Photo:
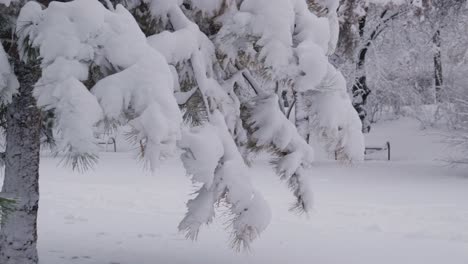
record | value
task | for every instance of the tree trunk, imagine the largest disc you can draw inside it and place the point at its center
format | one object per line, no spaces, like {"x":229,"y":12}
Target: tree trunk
{"x":347,"y":40}
{"x":18,"y":233}
{"x":360,"y":89}
{"x":438,"y":77}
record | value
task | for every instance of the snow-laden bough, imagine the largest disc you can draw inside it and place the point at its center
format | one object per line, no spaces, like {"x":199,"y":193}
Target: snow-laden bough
{"x":137,"y":86}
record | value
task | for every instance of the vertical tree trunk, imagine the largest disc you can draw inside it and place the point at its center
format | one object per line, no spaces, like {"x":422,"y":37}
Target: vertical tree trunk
{"x":18,"y":233}
{"x":360,"y":89}
{"x":438,"y":77}
{"x":347,"y":38}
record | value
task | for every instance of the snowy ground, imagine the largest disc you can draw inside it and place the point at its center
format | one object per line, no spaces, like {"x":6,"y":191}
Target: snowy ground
{"x":412,"y":210}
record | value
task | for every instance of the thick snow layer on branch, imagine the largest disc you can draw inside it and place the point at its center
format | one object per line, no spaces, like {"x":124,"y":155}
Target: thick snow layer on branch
{"x":8,"y":82}
{"x":272,"y":127}
{"x":186,"y":40}
{"x":175,"y":46}
{"x":188,"y":43}
{"x":77,"y":111}
{"x":139,"y":86}
{"x":313,"y":36}
{"x":275,"y":34}
{"x":334,"y":119}
{"x":269,"y":128}
{"x":199,"y":144}
{"x":332,"y":6}
{"x":57,"y":33}
{"x":283,"y":35}
{"x":218,"y":165}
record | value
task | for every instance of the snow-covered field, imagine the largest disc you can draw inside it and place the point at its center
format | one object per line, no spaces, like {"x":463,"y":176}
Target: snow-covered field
{"x":412,"y":210}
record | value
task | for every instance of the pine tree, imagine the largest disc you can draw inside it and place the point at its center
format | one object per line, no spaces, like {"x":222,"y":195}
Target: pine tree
{"x":88,"y":65}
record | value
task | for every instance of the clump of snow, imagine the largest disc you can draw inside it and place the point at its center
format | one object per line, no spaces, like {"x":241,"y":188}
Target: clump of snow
{"x":277,"y":33}
{"x":195,"y":142}
{"x":313,"y":35}
{"x":175,"y":46}
{"x":252,"y":26}
{"x":334,"y":120}
{"x":215,"y":162}
{"x":270,"y":127}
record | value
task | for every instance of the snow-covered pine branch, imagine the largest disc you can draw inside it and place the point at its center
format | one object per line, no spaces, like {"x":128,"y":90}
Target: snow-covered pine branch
{"x":137,"y":86}
{"x":334,"y":120}
{"x":234,"y":42}
{"x":295,"y":48}
{"x":211,"y":155}
{"x":269,"y":128}
{"x":199,"y":57}
{"x":213,"y":159}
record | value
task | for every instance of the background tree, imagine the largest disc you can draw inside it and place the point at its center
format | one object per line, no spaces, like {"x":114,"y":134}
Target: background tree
{"x":398,"y":64}
{"x":438,"y":15}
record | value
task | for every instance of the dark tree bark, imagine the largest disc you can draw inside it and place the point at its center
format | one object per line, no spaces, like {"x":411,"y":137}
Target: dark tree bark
{"x":438,"y":73}
{"x":302,"y":116}
{"x":360,"y":89}
{"x":18,"y":233}
{"x":347,"y":40}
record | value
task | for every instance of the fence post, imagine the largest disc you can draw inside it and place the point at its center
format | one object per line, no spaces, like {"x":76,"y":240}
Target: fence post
{"x":388,"y":149}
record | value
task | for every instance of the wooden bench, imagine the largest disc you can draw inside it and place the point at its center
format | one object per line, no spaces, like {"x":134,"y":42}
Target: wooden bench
{"x":105,"y":139}
{"x":373,"y":149}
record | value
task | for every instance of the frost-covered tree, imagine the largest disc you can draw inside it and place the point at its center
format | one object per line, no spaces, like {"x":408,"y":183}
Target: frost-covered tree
{"x":399,"y":69}
{"x":222,"y":63}
{"x":363,"y":23}
{"x":438,"y":15}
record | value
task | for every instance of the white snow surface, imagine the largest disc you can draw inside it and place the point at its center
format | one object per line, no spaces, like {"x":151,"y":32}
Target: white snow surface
{"x":411,"y":210}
